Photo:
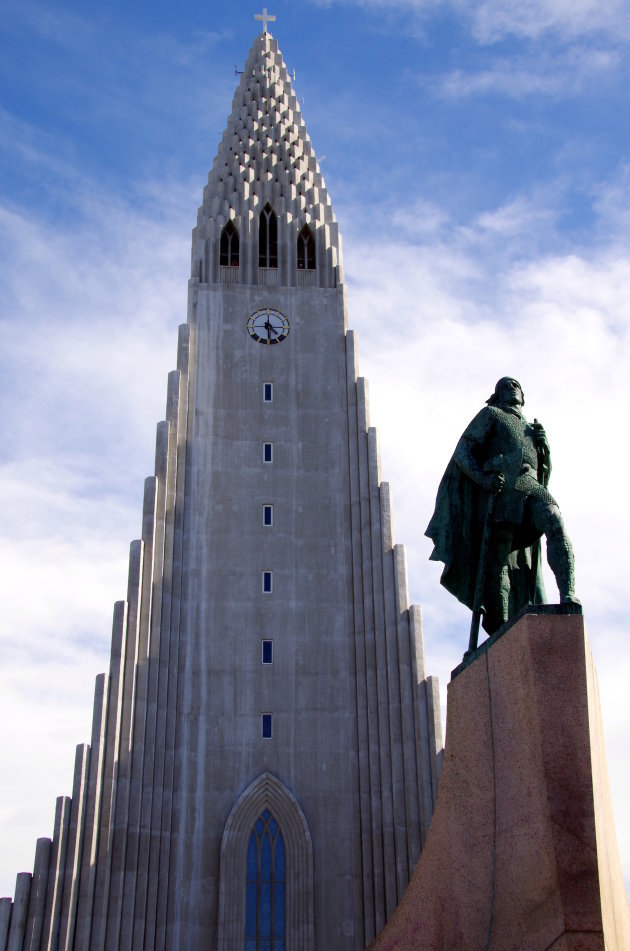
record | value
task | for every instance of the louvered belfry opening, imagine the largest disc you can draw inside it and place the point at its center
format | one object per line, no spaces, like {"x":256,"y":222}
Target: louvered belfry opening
{"x":268,"y":238}
{"x":306,"y":250}
{"x":229,"y":246}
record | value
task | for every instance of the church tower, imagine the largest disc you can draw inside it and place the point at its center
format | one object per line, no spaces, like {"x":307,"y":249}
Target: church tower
{"x":265,"y":750}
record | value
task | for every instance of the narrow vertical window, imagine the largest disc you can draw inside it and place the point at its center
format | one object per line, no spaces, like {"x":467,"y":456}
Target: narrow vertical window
{"x":267,"y":582}
{"x":267,"y":452}
{"x":267,"y":652}
{"x":306,"y":249}
{"x":229,"y":246}
{"x":267,"y":515}
{"x":267,"y":392}
{"x":266,"y":726}
{"x":268,"y":238}
{"x":264,"y":916}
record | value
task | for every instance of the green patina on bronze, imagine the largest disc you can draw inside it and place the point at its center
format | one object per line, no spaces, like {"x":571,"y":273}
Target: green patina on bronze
{"x":492,"y":509}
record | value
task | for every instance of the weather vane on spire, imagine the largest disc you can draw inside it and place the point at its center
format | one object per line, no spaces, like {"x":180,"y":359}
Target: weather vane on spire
{"x":265,"y":17}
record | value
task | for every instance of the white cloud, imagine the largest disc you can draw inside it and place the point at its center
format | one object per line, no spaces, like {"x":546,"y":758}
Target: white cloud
{"x":421,"y":219}
{"x":89,"y":333}
{"x":550,"y":73}
{"x":612,"y":202}
{"x":494,"y":19}
{"x":459,"y":313}
{"x":559,"y":340}
{"x":519,"y":217}
{"x":52,"y":25}
{"x":109,"y":82}
{"x":443,"y":308}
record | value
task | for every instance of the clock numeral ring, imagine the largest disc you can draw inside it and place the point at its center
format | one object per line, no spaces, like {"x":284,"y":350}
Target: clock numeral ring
{"x":268,"y":326}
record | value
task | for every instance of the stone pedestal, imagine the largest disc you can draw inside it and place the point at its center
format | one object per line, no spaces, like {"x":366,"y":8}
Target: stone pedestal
{"x":522,"y":852}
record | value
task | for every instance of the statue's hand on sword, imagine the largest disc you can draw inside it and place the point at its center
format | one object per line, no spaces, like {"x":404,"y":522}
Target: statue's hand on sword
{"x":540,"y":437}
{"x":494,"y":482}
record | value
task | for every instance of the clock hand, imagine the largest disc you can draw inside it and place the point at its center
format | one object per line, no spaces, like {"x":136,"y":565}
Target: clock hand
{"x":270,"y":329}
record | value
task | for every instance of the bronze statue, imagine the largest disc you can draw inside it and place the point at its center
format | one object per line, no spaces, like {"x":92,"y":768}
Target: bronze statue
{"x":492,"y":508}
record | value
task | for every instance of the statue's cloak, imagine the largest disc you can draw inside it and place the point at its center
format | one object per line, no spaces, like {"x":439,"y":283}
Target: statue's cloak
{"x":456,"y":530}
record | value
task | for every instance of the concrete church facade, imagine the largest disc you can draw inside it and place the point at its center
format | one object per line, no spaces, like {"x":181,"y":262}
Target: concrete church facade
{"x":265,"y":751}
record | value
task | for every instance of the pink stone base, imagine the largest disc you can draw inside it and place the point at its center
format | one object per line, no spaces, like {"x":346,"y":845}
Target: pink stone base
{"x":522,"y":852}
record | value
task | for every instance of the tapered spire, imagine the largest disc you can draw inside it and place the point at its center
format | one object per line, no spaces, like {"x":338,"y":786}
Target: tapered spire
{"x":266,"y":157}
{"x":265,"y":153}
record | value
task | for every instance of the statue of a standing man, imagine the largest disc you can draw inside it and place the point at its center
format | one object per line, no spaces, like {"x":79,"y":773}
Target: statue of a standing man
{"x":497,"y":482}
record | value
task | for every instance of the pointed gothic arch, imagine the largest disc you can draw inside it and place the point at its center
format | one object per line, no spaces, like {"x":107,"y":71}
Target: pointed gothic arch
{"x":266,"y":795}
{"x":229,"y":249}
{"x":268,"y":238}
{"x":306,"y":250}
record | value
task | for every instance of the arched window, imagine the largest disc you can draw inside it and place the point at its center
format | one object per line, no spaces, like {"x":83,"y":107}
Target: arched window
{"x":229,"y":246}
{"x":265,"y":902}
{"x":268,"y":238}
{"x":266,"y":872}
{"x":306,"y":250}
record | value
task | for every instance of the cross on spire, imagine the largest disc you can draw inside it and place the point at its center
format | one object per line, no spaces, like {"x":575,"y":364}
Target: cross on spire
{"x":265,"y":17}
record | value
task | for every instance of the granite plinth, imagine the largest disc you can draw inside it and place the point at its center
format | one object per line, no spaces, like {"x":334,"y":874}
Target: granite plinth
{"x":522,"y":852}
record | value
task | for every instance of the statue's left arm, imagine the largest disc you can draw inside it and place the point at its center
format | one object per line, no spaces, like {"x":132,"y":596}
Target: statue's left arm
{"x":543,"y":451}
{"x":471,"y":453}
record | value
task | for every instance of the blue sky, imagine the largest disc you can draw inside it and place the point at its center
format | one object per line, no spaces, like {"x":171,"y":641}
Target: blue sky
{"x":477,"y":160}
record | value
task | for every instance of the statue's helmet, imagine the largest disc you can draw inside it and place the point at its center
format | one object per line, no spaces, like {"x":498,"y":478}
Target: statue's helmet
{"x":502,"y":385}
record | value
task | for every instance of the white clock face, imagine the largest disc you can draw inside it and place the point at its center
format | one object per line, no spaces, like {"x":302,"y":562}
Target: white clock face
{"x":268,"y":326}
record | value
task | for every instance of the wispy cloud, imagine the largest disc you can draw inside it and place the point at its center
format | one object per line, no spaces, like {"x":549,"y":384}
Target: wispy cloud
{"x":451,"y":285}
{"x":612,"y":201}
{"x":518,"y":217}
{"x":462,"y":311}
{"x":88,"y":79}
{"x":562,"y":326}
{"x":493,"y":20}
{"x":53,"y":25}
{"x":89,"y":324}
{"x":553,"y":74}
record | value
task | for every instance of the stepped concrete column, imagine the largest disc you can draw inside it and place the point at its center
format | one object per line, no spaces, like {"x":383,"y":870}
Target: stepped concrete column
{"x":37,"y":899}
{"x":6,"y":905}
{"x":20,"y":910}
{"x":522,"y":850}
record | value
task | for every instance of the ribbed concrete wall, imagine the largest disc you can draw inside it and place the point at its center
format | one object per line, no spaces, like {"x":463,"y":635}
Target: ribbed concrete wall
{"x":105,"y":878}
{"x":138,"y":852}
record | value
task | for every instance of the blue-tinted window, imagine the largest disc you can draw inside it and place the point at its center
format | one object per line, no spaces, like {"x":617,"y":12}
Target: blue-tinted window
{"x":267,"y":452}
{"x":266,"y":726}
{"x":265,"y":912}
{"x":268,"y":515}
{"x":267,"y":584}
{"x":267,"y":392}
{"x":267,"y":652}
{"x":252,"y":861}
{"x":279,"y":857}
